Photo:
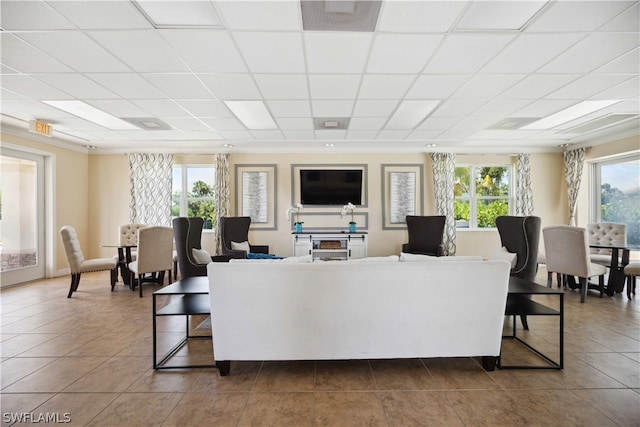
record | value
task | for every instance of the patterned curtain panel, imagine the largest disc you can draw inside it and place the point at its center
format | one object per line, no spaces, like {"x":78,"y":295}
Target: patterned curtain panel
{"x":524,"y":192}
{"x":222,"y":192}
{"x":443,"y":180}
{"x":150,"y":178}
{"x":573,"y":162}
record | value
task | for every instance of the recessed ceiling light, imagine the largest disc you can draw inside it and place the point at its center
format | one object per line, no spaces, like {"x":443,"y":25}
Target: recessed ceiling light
{"x":563,"y":145}
{"x":88,"y":112}
{"x":328,"y":144}
{"x":179,"y":14}
{"x":410,"y":113}
{"x":91,"y":147}
{"x":431,"y":145}
{"x":578,"y":110}
{"x":227,"y":145}
{"x":253,"y":114}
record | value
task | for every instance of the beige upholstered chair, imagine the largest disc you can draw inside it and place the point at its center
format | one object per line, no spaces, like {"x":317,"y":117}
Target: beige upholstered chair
{"x":129,"y":236}
{"x":631,"y":271}
{"x":567,"y":252}
{"x":155,"y":255}
{"x":79,"y":265}
{"x":605,"y":233}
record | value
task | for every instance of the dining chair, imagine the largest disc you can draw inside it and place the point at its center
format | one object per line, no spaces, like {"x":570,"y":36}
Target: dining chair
{"x":155,"y":255}
{"x":631,"y":271}
{"x":605,"y":233}
{"x":234,"y":237}
{"x":425,"y":235}
{"x":78,"y":264}
{"x":567,"y":252}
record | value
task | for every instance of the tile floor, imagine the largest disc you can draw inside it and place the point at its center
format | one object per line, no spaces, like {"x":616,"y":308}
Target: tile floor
{"x":88,"y":361}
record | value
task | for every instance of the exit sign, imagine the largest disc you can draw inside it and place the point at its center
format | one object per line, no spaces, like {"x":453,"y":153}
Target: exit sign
{"x":42,"y":128}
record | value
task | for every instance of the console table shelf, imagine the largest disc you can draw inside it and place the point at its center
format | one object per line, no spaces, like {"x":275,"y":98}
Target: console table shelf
{"x":330,"y":245}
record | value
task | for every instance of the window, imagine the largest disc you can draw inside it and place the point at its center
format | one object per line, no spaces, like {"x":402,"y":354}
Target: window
{"x":615,"y":190}
{"x":193,"y":193}
{"x":482,"y":194}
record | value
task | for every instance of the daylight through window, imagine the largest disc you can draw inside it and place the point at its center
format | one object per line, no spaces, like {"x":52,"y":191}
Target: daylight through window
{"x":193,"y":193}
{"x":482,"y":193}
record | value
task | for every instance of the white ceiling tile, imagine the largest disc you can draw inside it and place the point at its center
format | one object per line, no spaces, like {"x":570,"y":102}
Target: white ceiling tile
{"x":119,"y":107}
{"x":498,"y":15}
{"x":101,"y":14}
{"x":7,"y":94}
{"x":127,"y":45}
{"x":337,"y":52}
{"x":261,"y":15}
{"x":137,"y":135}
{"x":236,"y":134}
{"x":299,"y":134}
{"x":283,"y":86}
{"x":271,"y":52}
{"x":77,"y":86}
{"x":331,"y":135}
{"x":592,"y":52}
{"x":25,"y":58}
{"x":231,"y":86}
{"x":367,"y":123}
{"x":374,"y":108}
{"x":267,"y":134}
{"x":537,"y":86}
{"x":436,"y":86}
{"x":206,"y":51}
{"x":295,"y":123}
{"x":179,"y":86}
{"x":76,"y":123}
{"x":629,"y":20}
{"x":333,"y":86}
{"x":168,"y":135}
{"x":628,"y":63}
{"x":393,"y":134}
{"x":487,"y":85}
{"x":31,"y":88}
{"x":401,"y":53}
{"x":543,"y":108}
{"x":437,"y":123}
{"x":224,"y":123}
{"x":529,"y":52}
{"x":587,"y":86}
{"x":627,"y":90}
{"x":85,"y":56}
{"x":423,"y":135}
{"x":332,"y":108}
{"x":500,"y":108}
{"x":28,"y":109}
{"x":466,"y":53}
{"x":361,"y":134}
{"x":202,"y":135}
{"x":206,"y":108}
{"x":105,"y":135}
{"x":418,"y":17}
{"x":128,"y":85}
{"x":31,"y":15}
{"x":504,"y":134}
{"x":380,"y":86}
{"x":458,"y":107}
{"x":185,"y":123}
{"x":161,"y":107}
{"x":577,"y":15}
{"x":290,"y":108}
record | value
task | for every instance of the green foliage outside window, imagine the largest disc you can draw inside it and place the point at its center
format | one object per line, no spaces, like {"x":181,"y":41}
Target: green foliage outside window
{"x":489,"y":195}
{"x":618,"y":206}
{"x":197,"y":208}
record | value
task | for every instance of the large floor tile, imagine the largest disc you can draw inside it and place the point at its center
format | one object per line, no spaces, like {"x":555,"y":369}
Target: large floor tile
{"x":218,"y":409}
{"x":349,"y":409}
{"x":344,"y":375}
{"x":419,"y":408}
{"x":137,"y":409}
{"x":279,"y":409}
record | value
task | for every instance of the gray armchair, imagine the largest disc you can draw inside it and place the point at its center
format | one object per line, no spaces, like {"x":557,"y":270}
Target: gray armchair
{"x":236,"y":230}
{"x":187,"y":234}
{"x":425,"y":235}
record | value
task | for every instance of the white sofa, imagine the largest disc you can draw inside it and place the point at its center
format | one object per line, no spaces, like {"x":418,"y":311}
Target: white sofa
{"x":357,"y":310}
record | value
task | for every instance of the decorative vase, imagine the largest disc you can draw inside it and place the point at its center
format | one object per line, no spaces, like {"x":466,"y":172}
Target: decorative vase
{"x":298,"y":227}
{"x":352,"y":227}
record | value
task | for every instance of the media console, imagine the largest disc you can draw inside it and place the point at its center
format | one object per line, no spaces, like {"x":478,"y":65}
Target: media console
{"x":330,"y":245}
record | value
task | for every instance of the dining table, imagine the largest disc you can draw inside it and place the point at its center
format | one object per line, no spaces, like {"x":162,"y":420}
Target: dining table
{"x":616,"y":280}
{"x":124,"y":258}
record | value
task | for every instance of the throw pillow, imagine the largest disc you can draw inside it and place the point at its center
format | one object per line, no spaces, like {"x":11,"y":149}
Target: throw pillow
{"x":240,"y":246}
{"x":504,"y":254}
{"x":201,"y":256}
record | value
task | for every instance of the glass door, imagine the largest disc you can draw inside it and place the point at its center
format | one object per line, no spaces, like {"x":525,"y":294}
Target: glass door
{"x":21,"y":216}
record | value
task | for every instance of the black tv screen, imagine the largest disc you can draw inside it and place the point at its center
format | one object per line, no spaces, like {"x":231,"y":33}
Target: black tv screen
{"x":330,"y":186}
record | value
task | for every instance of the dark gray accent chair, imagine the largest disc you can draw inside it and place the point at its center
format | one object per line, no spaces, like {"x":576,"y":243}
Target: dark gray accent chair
{"x":187,"y":234}
{"x":236,"y":229}
{"x":521,"y":235}
{"x":425,"y":235}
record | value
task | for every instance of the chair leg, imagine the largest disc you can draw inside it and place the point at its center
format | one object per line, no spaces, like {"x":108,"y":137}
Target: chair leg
{"x":140,"y":284}
{"x":549,"y":279}
{"x":584,"y":286}
{"x":561,"y":281}
{"x":525,"y":324}
{"x":631,"y":285}
{"x":114,"y":278}
{"x":75,"y":280}
{"x":601,"y":285}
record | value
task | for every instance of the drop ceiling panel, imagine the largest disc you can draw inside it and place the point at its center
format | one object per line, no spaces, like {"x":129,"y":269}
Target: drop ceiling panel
{"x":401,"y":53}
{"x":224,"y":123}
{"x":419,"y":17}
{"x":25,"y":58}
{"x":31,"y":88}
{"x":159,"y":56}
{"x":202,"y":135}
{"x":487,"y":85}
{"x":290,"y":108}
{"x":331,"y":135}
{"x":626,"y":64}
{"x":578,"y":16}
{"x":361,"y":134}
{"x":185,"y":123}
{"x":236,"y":134}
{"x":119,"y":107}
{"x":437,"y":123}
{"x":465,"y":53}
{"x":423,"y":135}
{"x":295,"y":123}
{"x":331,"y":108}
{"x":333,"y":86}
{"x":529,"y":52}
{"x":161,"y":107}
{"x":436,"y":86}
{"x":587,"y":86}
{"x":499,"y":108}
{"x":206,"y":108}
{"x":101,"y":14}
{"x":179,"y":86}
{"x":128,"y":85}
{"x":384,"y":86}
{"x":77,"y":86}
{"x":28,"y":109}
{"x":329,"y":52}
{"x":543,"y":108}
{"x":206,"y":51}
{"x":283,"y":86}
{"x":629,"y":20}
{"x":374,"y":108}
{"x":31,"y":15}
{"x":299,"y":134}
{"x":267,"y":134}
{"x":392,"y":134}
{"x":458,"y":107}
{"x":261,"y":15}
{"x":627,"y":90}
{"x":537,"y":86}
{"x":367,"y":123}
{"x":267,"y":52}
{"x":498,"y":15}
{"x":230,"y":86}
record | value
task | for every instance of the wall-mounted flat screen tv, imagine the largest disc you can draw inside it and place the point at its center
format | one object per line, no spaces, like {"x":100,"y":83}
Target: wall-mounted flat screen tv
{"x":330,"y":186}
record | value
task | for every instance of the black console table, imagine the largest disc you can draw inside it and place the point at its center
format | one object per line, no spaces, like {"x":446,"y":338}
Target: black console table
{"x":519,"y":303}
{"x":191,"y":298}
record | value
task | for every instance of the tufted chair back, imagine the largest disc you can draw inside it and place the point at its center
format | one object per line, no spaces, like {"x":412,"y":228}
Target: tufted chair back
{"x":606,"y":233}
{"x":129,"y":234}
{"x":72,"y":249}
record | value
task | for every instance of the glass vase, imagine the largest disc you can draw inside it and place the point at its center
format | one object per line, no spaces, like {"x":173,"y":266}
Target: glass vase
{"x":352,"y":227}
{"x":298,"y":227}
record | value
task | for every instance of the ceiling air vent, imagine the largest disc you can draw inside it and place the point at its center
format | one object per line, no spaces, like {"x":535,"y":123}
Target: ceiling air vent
{"x":339,"y":15}
{"x":148,"y":123}
{"x":330,"y":123}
